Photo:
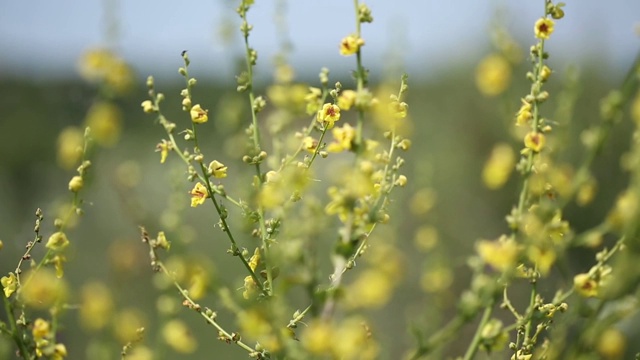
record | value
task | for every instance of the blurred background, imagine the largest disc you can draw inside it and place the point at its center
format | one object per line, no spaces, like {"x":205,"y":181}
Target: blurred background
{"x":456,"y":123}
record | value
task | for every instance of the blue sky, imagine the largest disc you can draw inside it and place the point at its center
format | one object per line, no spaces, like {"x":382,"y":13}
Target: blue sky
{"x":44,"y":38}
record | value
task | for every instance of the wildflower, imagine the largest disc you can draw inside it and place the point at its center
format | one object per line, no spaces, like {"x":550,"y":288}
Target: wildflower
{"x":147,"y":106}
{"x":519,"y":355}
{"x":501,"y":254}
{"x":70,"y":144}
{"x":313,"y":99}
{"x":41,"y":329}
{"x":128,"y":324}
{"x":43,"y":289}
{"x":105,"y":121}
{"x":493,"y":75}
{"x":97,"y":306}
{"x":350,"y":45}
{"x":9,"y":284}
{"x":612,"y":344}
{"x":198,"y":114}
{"x":524,"y":114}
{"x":318,"y":337}
{"x":249,"y":283}
{"x":164,"y":148}
{"x":58,"y":262}
{"x":544,"y":258}
{"x":344,"y":137}
{"x":585,"y":285}
{"x":75,"y":184}
{"x":545,"y":73}
{"x":199,"y":194}
{"x":59,"y":352}
{"x":178,"y":336}
{"x":498,"y":167}
{"x":329,"y":114}
{"x":401,"y":181}
{"x":543,"y":28}
{"x":436,"y":280}
{"x":398,"y":109}
{"x":534,"y":141}
{"x":346,"y":99}
{"x":217,"y":169}
{"x":372,"y":289}
{"x":57,"y":241}
{"x":310,"y":144}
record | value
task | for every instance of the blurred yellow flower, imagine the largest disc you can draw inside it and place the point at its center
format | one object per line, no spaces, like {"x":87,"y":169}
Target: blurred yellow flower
{"x":43,"y":290}
{"x":97,"y":306}
{"x":585,"y":285}
{"x":164,"y":147}
{"x":343,"y":138}
{"x":105,"y":121}
{"x":346,"y":99}
{"x":499,"y":166}
{"x":500,"y":254}
{"x":178,"y":336}
{"x":534,"y":141}
{"x":103,"y":66}
{"x":493,"y":75}
{"x":70,"y":144}
{"x":350,"y":45}
{"x":57,"y":241}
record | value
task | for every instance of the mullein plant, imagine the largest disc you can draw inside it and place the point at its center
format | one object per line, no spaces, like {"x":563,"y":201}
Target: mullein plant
{"x":539,"y":236}
{"x":37,"y":285}
{"x":286,"y":215}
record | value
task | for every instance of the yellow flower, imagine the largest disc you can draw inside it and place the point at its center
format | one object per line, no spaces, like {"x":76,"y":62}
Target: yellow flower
{"x":343,"y":138}
{"x":534,"y":141}
{"x":70,"y":144}
{"x":524,"y":114}
{"x":543,"y":28}
{"x":76,"y":184}
{"x":9,"y":284}
{"x":164,"y":148}
{"x":147,"y":106}
{"x":313,"y":100}
{"x":43,"y":289}
{"x":41,"y":329}
{"x":372,"y":289}
{"x":317,"y":337}
{"x":612,"y":344}
{"x":57,"y":241}
{"x":178,"y":336}
{"x":329,"y":114}
{"x":497,"y":169}
{"x":58,"y":263}
{"x":97,"y":306}
{"x":493,"y":75}
{"x":199,"y":194}
{"x":350,"y":45}
{"x":346,"y":99}
{"x":585,"y":285}
{"x":501,"y":254}
{"x":398,"y":109}
{"x":309,"y":144}
{"x":217,"y":169}
{"x":545,"y":73}
{"x":105,"y":121}
{"x":59,"y":352}
{"x":198,"y":114}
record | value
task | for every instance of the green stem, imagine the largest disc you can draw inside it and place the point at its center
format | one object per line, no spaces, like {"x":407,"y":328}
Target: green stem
{"x":15,"y":331}
{"x":475,"y":342}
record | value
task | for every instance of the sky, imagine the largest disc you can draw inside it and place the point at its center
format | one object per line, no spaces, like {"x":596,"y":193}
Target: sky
{"x":43,"y":39}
